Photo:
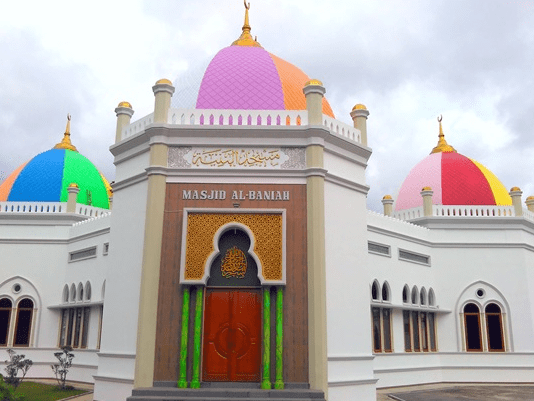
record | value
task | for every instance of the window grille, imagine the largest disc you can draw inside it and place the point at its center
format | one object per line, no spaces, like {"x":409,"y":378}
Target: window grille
{"x":414,"y":257}
{"x":377,"y":248}
{"x":83,"y":254}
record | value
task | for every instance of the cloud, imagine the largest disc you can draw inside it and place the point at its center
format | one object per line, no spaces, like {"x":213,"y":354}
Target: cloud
{"x":407,"y":61}
{"x":36,"y":93}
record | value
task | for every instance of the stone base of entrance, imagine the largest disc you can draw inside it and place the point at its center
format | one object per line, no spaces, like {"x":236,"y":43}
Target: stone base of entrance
{"x":218,"y":391}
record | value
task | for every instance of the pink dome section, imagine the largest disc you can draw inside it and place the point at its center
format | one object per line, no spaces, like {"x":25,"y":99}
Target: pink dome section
{"x":257,"y":86}
{"x":427,"y":173}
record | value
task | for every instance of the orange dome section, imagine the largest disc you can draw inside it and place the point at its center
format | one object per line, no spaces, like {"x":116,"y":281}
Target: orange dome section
{"x":293,"y":80}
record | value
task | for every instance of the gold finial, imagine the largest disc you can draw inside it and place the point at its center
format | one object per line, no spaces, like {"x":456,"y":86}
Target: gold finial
{"x":125,"y":104}
{"x":442,"y":145}
{"x":313,"y":82}
{"x":386,"y":197}
{"x":65,"y":142}
{"x":359,"y":106}
{"x":246,"y":38}
{"x":164,"y":81}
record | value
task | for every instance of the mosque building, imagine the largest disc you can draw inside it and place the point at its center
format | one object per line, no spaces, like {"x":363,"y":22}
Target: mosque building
{"x":234,"y":256}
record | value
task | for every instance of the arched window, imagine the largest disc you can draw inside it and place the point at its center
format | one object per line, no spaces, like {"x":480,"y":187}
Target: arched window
{"x":405,"y":292}
{"x":374,"y":291}
{"x":66,"y":293}
{"x":415,"y":295}
{"x":385,"y":291}
{"x":80,"y":292}
{"x":431,"y":297}
{"x":5,"y":316}
{"x":494,"y":328}
{"x":72,"y":293}
{"x":473,"y":334}
{"x":422,"y":296}
{"x":24,"y":323}
{"x":88,"y":291}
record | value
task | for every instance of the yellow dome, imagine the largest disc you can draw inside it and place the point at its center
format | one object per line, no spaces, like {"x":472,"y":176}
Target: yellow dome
{"x":426,"y":189}
{"x":359,"y":106}
{"x":74,"y":185}
{"x":387,"y":197}
{"x":515,"y":189}
{"x":125,"y":104}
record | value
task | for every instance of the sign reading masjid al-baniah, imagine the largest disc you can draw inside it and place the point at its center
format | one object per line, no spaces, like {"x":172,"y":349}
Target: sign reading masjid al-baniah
{"x":220,"y":194}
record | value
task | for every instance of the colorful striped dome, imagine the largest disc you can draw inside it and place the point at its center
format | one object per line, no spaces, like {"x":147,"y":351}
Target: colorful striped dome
{"x":244,"y":76}
{"x":45,"y":178}
{"x":455,"y":180}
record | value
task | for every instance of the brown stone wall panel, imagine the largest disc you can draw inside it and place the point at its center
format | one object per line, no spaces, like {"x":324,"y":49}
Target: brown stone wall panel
{"x":295,"y":292}
{"x":170,"y":296}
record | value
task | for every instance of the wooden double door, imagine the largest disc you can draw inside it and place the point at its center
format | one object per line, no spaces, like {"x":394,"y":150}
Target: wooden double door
{"x":232,"y":335}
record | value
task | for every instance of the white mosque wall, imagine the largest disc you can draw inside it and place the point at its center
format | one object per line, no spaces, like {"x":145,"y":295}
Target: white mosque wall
{"x":350,"y":372}
{"x":35,"y":254}
{"x":131,"y":163}
{"x":463,"y":258}
{"x":39,"y":269}
{"x":342,"y":167}
{"x":114,"y":378}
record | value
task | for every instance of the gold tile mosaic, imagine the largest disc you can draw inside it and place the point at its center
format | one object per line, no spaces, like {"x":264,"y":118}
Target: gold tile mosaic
{"x":267,"y":230}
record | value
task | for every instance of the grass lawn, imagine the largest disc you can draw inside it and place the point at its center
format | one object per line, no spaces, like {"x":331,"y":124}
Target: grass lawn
{"x":44,"y":392}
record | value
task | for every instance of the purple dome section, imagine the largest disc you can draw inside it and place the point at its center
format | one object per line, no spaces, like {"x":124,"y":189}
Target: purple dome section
{"x":241,"y":77}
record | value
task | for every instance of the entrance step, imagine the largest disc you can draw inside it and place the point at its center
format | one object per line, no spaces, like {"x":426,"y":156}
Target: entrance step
{"x":223,"y":394}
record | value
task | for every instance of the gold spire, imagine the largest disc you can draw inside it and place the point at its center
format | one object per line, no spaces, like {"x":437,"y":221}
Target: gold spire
{"x":246,"y":38}
{"x":65,"y":142}
{"x":442,"y":145}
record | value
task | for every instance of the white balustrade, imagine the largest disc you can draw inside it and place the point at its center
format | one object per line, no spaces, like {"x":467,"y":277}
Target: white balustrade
{"x":237,"y":117}
{"x":49,"y":207}
{"x":33,"y":207}
{"x":462,"y":211}
{"x":89,"y":211}
{"x":527,"y":214}
{"x":137,"y":126}
{"x":472,"y":211}
{"x":215,"y":117}
{"x":409,"y":214}
{"x":339,"y":128}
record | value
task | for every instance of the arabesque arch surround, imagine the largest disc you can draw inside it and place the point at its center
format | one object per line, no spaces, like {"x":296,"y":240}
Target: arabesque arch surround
{"x":203,"y":228}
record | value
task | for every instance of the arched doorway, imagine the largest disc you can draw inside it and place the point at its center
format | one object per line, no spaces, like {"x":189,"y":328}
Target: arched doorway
{"x":232,"y":313}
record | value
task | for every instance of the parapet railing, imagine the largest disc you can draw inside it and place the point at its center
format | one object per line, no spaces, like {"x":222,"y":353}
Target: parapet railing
{"x":49,"y":208}
{"x":137,"y":126}
{"x":237,"y":117}
{"x":409,"y":214}
{"x":33,"y":207}
{"x":337,"y":127}
{"x":473,"y":211}
{"x":89,"y":211}
{"x":215,"y":117}
{"x":462,"y":211}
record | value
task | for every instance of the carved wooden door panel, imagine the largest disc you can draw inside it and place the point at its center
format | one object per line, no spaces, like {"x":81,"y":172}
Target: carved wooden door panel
{"x":232,"y":335}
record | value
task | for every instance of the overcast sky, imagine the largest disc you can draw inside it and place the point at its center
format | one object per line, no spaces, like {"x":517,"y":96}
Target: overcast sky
{"x":408,"y":62}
